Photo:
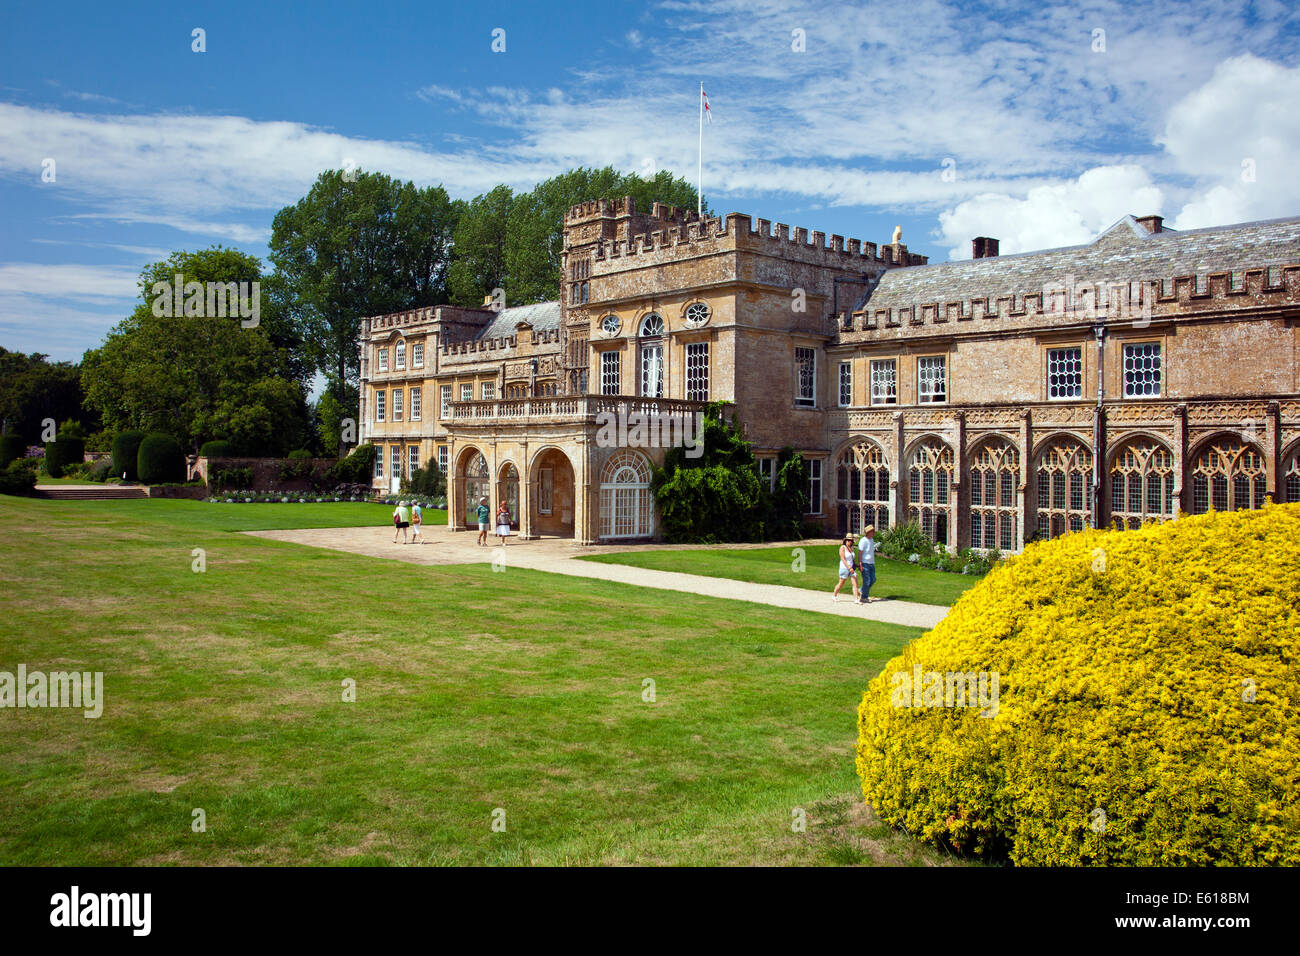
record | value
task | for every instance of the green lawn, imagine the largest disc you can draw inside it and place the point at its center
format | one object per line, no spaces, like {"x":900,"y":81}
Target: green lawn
{"x":274,"y":516}
{"x":475,"y":690}
{"x":894,"y":579}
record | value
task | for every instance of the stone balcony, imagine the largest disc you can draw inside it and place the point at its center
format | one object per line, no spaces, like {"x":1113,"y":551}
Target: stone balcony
{"x":563,"y":409}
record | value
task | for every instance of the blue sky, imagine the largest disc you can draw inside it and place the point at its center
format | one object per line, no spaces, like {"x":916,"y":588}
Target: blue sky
{"x":1018,"y":121}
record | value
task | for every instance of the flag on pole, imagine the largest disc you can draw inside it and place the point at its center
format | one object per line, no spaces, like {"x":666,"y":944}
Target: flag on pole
{"x":708,"y":114}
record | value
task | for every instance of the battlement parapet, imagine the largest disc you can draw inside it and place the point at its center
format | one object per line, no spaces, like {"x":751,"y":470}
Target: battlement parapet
{"x":739,"y":231}
{"x":1100,"y":300}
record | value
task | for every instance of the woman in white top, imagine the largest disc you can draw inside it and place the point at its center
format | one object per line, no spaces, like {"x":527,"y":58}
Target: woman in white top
{"x":848,"y":559}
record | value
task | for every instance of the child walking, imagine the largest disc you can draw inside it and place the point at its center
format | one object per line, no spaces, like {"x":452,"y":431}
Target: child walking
{"x":503,"y":523}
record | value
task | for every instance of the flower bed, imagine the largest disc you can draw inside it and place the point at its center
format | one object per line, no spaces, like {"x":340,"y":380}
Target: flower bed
{"x":341,"y":493}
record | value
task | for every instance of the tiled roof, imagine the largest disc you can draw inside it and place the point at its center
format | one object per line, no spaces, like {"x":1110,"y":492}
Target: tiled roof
{"x":544,"y":316}
{"x":1124,"y":252}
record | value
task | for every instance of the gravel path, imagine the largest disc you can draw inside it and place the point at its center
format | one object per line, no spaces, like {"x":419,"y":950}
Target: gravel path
{"x":559,"y":556}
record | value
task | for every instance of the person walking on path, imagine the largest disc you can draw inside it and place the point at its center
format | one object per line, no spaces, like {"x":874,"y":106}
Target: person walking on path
{"x":417,"y":522}
{"x":503,"y":523}
{"x":401,"y":521}
{"x":867,"y":561}
{"x":847,"y":563}
{"x":484,"y":514}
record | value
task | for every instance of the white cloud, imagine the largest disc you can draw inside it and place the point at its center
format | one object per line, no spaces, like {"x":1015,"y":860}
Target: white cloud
{"x":90,"y":284}
{"x":1238,"y":135}
{"x":1060,"y":214}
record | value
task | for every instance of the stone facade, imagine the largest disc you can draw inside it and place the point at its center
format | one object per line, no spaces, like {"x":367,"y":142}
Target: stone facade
{"x":991,"y":400}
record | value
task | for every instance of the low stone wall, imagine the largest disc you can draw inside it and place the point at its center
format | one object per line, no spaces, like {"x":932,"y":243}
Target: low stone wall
{"x":161,"y":491}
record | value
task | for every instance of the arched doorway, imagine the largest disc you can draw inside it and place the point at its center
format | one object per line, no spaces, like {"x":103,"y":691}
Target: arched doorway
{"x":552,"y":501}
{"x":508,"y":492}
{"x":478,"y":484}
{"x":626,"y":505}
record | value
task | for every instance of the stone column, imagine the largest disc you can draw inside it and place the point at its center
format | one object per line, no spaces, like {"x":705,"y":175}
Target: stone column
{"x":525,"y":495}
{"x":959,"y":527}
{"x":1272,"y":450}
{"x":1026,"y":510}
{"x":1181,"y":502}
{"x":586,"y":496}
{"x":897,"y":484}
{"x":455,"y":492}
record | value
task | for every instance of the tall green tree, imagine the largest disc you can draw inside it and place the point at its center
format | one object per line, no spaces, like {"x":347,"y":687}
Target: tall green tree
{"x":33,"y":389}
{"x":515,"y":241}
{"x":199,"y":377}
{"x":359,"y":245}
{"x":479,"y":263}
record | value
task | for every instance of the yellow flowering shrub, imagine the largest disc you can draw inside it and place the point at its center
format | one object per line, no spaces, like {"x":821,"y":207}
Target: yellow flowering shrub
{"x":1140,"y":702}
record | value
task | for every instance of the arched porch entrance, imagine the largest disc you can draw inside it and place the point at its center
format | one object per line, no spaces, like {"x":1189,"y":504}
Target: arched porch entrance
{"x":508,"y":492}
{"x":551,"y":494}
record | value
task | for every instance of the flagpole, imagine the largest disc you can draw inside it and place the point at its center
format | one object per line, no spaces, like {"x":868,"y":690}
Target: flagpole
{"x":699,"y":174}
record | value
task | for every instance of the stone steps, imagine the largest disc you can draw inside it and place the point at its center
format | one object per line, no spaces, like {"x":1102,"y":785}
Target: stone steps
{"x":89,"y":493}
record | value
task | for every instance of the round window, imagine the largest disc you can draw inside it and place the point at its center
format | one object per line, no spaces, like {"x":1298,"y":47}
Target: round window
{"x":697,"y":313}
{"x":609,"y":325}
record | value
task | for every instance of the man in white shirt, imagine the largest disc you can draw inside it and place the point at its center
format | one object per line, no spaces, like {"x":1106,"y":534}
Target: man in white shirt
{"x":867,"y":561}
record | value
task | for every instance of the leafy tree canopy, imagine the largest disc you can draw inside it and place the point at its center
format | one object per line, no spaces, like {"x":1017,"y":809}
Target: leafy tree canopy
{"x":32,"y":389}
{"x":199,"y":377}
{"x":514,"y":241}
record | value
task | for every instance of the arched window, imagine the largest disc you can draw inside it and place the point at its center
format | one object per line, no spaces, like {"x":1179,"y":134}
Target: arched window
{"x":1141,"y":484}
{"x":1228,"y":475}
{"x":477,"y":484}
{"x":1064,"y":502}
{"x":1291,"y":477}
{"x":930,"y":487}
{"x":626,"y":504}
{"x":862,"y":488}
{"x":652,"y":356}
{"x":994,"y":480}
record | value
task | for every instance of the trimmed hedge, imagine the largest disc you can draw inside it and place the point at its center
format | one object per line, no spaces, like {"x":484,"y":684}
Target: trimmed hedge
{"x":126,"y":453}
{"x":67,"y":450}
{"x":1147,"y":710}
{"x":217,"y":448}
{"x":12,"y":447}
{"x":160,"y":460}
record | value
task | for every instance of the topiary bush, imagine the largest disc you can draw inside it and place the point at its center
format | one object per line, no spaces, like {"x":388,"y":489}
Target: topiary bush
{"x":67,"y":451}
{"x":1146,"y":708}
{"x":126,"y":453}
{"x":160,"y":460}
{"x":217,"y":448}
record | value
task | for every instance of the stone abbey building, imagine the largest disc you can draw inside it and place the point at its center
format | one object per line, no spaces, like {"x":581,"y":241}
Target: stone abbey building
{"x":992,"y":400}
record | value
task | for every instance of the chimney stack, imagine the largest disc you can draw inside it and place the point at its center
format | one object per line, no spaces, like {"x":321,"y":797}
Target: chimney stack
{"x":982,"y":247}
{"x":1152,"y":224}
